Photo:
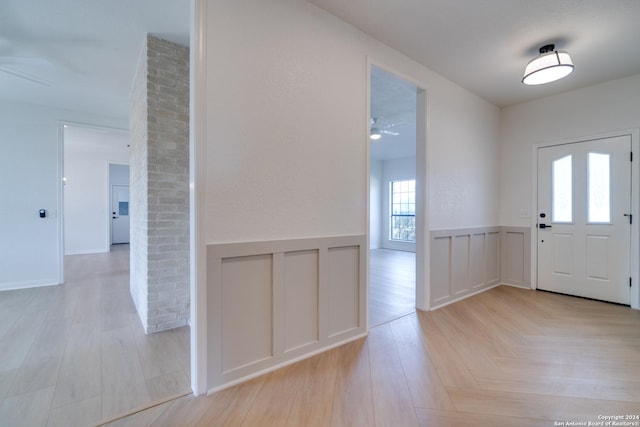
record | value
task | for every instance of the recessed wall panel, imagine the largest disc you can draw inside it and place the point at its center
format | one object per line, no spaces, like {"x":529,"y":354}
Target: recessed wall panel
{"x":514,"y":268}
{"x":301,"y":298}
{"x":344,"y":280}
{"x":440,"y":268}
{"x":460,"y":264}
{"x":246,"y":310}
{"x":476,"y":260}
{"x":563,"y":253}
{"x":598,"y":257}
{"x":492,"y":257}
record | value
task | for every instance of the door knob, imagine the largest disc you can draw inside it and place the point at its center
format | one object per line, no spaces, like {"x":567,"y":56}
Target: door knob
{"x":544,"y":226}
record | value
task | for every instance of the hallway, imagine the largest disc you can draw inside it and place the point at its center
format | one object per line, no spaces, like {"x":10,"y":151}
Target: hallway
{"x":76,"y":354}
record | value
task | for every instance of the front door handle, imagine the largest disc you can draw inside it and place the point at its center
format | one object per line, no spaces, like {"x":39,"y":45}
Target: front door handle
{"x":544,"y":226}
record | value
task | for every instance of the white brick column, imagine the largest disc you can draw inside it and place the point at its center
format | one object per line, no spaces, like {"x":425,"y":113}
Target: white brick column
{"x":160,"y":186}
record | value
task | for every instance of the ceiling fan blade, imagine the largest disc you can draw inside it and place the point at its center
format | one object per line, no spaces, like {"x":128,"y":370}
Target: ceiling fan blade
{"x":389,"y":132}
{"x":21,"y":74}
{"x":393,"y":125}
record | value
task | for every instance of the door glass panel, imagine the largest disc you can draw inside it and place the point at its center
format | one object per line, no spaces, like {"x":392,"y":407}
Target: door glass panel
{"x":123,"y":208}
{"x":599,"y":190}
{"x":562,"y":203}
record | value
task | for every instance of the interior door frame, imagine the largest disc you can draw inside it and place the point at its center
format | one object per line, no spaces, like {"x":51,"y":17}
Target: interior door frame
{"x":112,"y":208}
{"x":109,"y":202}
{"x":634,"y":134}
{"x":60,"y":198}
{"x":62,"y":124}
{"x":422,"y":294}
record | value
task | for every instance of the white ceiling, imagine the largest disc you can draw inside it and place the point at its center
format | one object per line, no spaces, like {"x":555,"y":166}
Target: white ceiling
{"x":484,"y":45}
{"x":393,"y":104}
{"x":81,"y":55}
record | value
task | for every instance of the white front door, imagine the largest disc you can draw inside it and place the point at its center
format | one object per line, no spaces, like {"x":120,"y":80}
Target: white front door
{"x":119,"y":214}
{"x":584,"y":231}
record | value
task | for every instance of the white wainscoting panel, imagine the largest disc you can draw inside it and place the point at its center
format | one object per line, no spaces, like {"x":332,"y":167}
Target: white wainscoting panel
{"x":463,"y":262}
{"x":516,"y":256}
{"x":460,"y":256}
{"x":272,"y":303}
{"x":344,"y":289}
{"x":477,"y":264}
{"x":301,"y":293}
{"x":440,"y":268}
{"x":247,"y":332}
{"x":493,"y":267}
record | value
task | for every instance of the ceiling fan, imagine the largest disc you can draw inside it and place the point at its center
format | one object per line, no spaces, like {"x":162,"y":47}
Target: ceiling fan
{"x":377,"y":131}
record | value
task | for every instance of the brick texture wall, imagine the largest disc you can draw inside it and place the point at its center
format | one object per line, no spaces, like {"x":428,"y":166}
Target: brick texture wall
{"x":138,"y":190}
{"x":160,"y":186}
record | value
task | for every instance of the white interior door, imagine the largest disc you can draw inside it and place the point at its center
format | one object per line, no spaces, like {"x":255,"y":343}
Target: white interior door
{"x":584,"y":231}
{"x":119,"y":214}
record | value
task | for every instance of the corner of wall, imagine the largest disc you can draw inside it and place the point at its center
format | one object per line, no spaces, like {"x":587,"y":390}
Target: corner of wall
{"x":465,"y":262}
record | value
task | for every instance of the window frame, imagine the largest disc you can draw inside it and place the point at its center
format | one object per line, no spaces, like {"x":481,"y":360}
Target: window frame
{"x":410,"y":205}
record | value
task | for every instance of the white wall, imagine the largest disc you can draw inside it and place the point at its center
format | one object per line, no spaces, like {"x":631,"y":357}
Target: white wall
{"x":87,"y":153}
{"x":287,"y":128}
{"x":607,"y":107}
{"x":394,"y":170}
{"x":118,"y":174}
{"x":375,"y":204}
{"x":604,"y":108}
{"x":30,"y":172}
{"x":285,"y":134}
{"x":463,"y":168}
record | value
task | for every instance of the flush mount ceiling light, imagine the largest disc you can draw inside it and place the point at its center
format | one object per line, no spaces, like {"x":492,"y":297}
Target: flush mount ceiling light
{"x":550,"y":66}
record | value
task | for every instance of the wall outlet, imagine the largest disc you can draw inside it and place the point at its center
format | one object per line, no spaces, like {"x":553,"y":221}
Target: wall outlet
{"x":524,"y":213}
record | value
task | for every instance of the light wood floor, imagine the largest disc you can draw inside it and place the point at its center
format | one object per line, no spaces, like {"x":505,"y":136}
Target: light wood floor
{"x":392,"y":285}
{"x":76,"y":354}
{"x":506,"y":357}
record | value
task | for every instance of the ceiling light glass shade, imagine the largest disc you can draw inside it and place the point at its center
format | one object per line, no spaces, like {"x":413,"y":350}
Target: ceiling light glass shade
{"x":548,"y":67}
{"x":375,"y":134}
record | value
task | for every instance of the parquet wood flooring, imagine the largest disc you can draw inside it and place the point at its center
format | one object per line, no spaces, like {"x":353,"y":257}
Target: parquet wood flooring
{"x":505,"y":357}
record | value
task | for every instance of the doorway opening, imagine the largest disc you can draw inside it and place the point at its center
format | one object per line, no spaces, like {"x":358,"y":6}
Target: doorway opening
{"x":393,"y":207}
{"x":95,"y":158}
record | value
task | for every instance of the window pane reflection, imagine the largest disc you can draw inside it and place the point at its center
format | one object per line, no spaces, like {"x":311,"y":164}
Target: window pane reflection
{"x":562,"y":208}
{"x":599,"y":191}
